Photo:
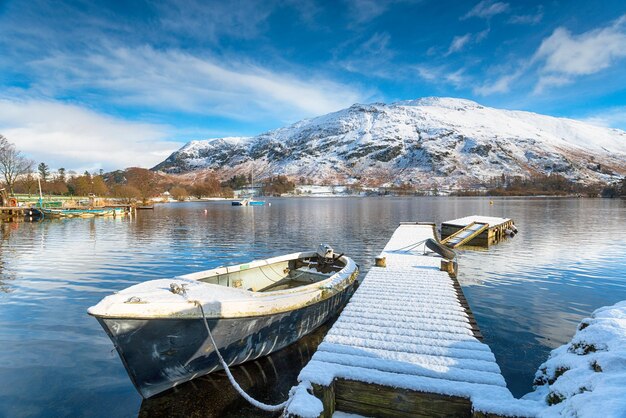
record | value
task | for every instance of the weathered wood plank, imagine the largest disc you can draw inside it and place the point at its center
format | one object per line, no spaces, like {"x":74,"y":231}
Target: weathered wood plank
{"x":375,"y":400}
{"x":327,"y":395}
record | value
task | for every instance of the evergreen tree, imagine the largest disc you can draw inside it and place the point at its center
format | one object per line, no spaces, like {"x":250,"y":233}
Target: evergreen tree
{"x":44,"y":171}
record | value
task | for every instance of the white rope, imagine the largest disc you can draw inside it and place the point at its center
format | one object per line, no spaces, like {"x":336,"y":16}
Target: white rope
{"x":251,"y":400}
{"x":410,"y":247}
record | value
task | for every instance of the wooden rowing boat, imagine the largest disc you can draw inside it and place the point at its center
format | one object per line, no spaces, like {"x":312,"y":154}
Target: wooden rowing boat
{"x":252,"y":310}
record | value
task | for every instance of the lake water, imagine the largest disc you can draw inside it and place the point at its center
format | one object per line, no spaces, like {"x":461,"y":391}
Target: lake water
{"x":527,"y":293}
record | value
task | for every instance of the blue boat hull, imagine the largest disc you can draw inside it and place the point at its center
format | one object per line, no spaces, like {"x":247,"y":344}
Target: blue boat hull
{"x":161,"y":353}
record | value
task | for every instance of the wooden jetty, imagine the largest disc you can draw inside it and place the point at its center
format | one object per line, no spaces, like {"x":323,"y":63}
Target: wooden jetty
{"x":480,"y":231}
{"x":406,"y":345}
{"x":18,"y":213}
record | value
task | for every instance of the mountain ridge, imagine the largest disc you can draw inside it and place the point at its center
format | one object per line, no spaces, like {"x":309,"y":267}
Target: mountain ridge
{"x":431,"y":141}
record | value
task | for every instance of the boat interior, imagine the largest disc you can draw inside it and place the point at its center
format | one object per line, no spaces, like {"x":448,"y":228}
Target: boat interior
{"x":267,"y":276}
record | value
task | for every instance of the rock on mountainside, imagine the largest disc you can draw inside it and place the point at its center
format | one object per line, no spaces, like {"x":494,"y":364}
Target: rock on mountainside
{"x":428,"y":142}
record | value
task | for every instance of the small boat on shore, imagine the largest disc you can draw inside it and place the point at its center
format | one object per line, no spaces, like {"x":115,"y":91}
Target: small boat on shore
{"x":159,"y":327}
{"x":76,"y":213}
{"x":248,"y":202}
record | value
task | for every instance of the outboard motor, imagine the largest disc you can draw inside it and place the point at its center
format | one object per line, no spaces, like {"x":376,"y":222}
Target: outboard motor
{"x":325,"y":258}
{"x":325,"y":251}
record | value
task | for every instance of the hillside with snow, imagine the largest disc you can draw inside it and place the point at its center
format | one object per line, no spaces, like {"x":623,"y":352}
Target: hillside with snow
{"x":427,"y":142}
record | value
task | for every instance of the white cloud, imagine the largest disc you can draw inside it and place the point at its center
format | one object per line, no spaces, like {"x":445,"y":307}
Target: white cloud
{"x":372,"y":58}
{"x":582,"y":54}
{"x":456,"y":78}
{"x":529,"y":19}
{"x":500,"y":85}
{"x":487,"y":9}
{"x":441,"y":75}
{"x":427,"y":73}
{"x":610,"y":118}
{"x":237,"y":19}
{"x":458,"y":42}
{"x":175,"y":80}
{"x":78,"y":138}
{"x":563,"y":56}
{"x":366,"y":10}
{"x":549,"y":80}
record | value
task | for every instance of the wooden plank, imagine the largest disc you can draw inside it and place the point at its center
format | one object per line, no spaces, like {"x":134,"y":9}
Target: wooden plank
{"x":478,"y":414}
{"x":383,"y":401}
{"x":327,"y":395}
{"x":468,"y":310}
{"x":471,"y":231}
{"x":476,"y":234}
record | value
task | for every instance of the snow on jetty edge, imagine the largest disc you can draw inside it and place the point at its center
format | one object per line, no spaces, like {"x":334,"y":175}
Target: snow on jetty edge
{"x":587,"y":376}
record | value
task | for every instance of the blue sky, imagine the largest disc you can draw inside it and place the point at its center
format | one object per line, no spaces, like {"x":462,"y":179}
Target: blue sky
{"x":89,"y":85}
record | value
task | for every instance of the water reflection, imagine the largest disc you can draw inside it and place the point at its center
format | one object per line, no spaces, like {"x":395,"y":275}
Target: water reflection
{"x":527,"y":293}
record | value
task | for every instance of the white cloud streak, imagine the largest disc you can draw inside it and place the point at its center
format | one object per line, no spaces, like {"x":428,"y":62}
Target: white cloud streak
{"x":609,"y":118}
{"x":500,"y":85}
{"x":364,"y":11}
{"x":460,"y":42}
{"x":528,"y":19}
{"x":372,"y":58}
{"x":441,"y":75}
{"x":175,"y":80}
{"x":81,"y":139}
{"x":486,"y":9}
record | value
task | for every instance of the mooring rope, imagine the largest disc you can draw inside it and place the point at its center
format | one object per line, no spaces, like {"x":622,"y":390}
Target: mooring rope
{"x":250,"y":399}
{"x":410,"y":247}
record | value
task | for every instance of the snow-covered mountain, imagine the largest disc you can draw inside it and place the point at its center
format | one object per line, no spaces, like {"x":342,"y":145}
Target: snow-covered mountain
{"x":430,"y":141}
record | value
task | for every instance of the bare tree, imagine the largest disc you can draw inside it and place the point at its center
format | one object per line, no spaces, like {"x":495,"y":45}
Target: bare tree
{"x":12,"y":163}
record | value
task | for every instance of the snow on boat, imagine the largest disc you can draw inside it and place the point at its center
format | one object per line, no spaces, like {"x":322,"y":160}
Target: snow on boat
{"x":251,"y":309}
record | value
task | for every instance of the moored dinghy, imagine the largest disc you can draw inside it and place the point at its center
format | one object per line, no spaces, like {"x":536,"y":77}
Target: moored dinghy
{"x":251,"y":309}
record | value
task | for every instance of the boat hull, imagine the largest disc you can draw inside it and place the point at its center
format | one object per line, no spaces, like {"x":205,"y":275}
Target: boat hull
{"x":161,"y":353}
{"x":80,"y":213}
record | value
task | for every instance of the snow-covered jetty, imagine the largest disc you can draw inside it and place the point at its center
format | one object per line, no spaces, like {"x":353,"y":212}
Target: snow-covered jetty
{"x":406,"y":345}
